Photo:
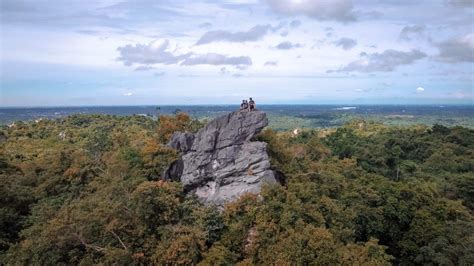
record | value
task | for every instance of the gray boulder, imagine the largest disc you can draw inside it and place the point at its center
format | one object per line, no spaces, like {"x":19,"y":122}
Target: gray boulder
{"x":182,"y":141}
{"x":220,"y":162}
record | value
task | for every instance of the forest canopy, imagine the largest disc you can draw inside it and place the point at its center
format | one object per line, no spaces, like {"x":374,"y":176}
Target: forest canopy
{"x":87,"y":189}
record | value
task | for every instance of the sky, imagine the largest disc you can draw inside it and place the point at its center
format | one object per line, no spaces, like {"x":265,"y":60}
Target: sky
{"x":145,"y":52}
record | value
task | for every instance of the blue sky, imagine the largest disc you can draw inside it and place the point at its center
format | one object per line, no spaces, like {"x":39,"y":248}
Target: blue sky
{"x":131,"y":52}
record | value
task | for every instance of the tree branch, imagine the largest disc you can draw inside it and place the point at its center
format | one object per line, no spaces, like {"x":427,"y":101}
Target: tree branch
{"x":84,"y":243}
{"x":118,"y":238}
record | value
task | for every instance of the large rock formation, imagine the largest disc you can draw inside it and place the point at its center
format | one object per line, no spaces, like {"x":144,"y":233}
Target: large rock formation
{"x":220,"y":162}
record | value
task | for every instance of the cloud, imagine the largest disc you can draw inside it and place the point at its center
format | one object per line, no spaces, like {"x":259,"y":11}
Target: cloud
{"x":224,"y":70}
{"x":159,"y":74}
{"x":147,"y":54}
{"x":217,"y":59}
{"x":363,"y":90}
{"x":253,"y":34}
{"x":54,"y":13}
{"x":329,"y":32}
{"x":287,"y":45}
{"x":242,"y":67}
{"x":127,"y":94}
{"x":456,"y":50}
{"x":386,"y":84}
{"x":461,"y":94}
{"x":386,"y":61}
{"x":346,"y":43}
{"x":410,"y":32}
{"x":420,"y":89}
{"x":206,"y":25}
{"x":460,"y":3}
{"x":337,"y":10}
{"x":295,"y":23}
{"x":143,"y":68}
{"x":271,"y":63}
{"x":156,"y":53}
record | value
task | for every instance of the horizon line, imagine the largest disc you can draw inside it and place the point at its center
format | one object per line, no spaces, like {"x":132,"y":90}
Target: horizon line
{"x":263,"y":104}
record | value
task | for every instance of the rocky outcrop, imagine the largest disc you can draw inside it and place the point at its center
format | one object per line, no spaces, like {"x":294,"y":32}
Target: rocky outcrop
{"x":220,"y":162}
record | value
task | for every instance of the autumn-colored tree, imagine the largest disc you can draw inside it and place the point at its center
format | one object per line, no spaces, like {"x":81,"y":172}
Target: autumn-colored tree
{"x":83,"y":190}
{"x":167,"y":125}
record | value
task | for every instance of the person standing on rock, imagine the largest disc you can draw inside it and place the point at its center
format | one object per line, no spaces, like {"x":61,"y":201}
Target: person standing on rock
{"x":242,"y":105}
{"x":245,"y":106}
{"x":252,"y":104}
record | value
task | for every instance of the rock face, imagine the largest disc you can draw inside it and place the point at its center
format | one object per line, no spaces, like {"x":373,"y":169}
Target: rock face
{"x":219,"y":163}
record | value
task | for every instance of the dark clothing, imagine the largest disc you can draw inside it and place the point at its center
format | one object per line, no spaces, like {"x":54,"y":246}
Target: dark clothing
{"x":252,"y":105}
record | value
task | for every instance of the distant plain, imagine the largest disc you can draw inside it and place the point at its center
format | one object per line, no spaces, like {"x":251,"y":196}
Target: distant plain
{"x":282,"y":117}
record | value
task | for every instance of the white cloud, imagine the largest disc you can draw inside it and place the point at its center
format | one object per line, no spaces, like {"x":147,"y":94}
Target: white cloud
{"x":153,"y":53}
{"x":346,"y":43}
{"x":461,"y":94}
{"x":338,"y":10}
{"x":158,"y":53}
{"x":287,"y":45}
{"x":217,"y":59}
{"x":386,"y":61}
{"x":410,"y":32}
{"x":460,"y":3}
{"x":253,"y":34}
{"x":420,"y":89}
{"x":224,"y":70}
{"x":128,"y":94}
{"x":205,"y":25}
{"x":457,"y":50}
{"x":271,"y":63}
{"x":143,"y":68}
{"x":295,"y":23}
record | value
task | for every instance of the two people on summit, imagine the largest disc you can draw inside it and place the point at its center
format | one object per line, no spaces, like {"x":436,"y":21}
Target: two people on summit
{"x":247,"y":106}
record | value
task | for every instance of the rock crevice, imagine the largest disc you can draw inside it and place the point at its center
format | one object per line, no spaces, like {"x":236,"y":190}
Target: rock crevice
{"x":220,"y":162}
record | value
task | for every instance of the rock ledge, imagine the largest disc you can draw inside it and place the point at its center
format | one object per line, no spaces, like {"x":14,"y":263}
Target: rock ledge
{"x":220,"y":162}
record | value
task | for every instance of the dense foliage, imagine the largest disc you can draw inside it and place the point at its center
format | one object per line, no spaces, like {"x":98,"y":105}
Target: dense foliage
{"x":86,"y":189}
